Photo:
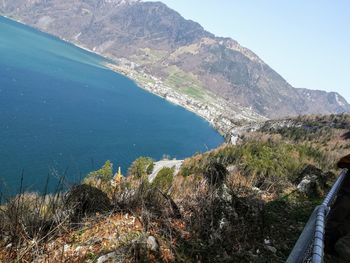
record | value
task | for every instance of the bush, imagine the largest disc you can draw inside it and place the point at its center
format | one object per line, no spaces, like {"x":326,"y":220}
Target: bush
{"x":101,"y":178}
{"x":84,"y":200}
{"x":141,"y":167}
{"x":221,"y":228}
{"x":164,"y":179}
{"x":215,"y":173}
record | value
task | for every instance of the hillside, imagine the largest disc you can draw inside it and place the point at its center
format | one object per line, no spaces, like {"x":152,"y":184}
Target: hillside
{"x":150,"y":38}
{"x":238,"y":203}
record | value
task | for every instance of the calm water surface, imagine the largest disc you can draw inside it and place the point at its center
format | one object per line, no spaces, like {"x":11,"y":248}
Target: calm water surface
{"x":62,"y":112}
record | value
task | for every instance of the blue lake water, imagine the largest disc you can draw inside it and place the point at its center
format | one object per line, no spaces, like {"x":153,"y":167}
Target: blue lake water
{"x":62,"y":112}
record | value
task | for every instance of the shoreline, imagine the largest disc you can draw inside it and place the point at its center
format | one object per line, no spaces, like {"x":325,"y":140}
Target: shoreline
{"x":216,"y":113}
{"x":225,"y":117}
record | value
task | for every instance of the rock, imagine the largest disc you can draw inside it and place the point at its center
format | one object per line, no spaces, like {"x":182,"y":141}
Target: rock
{"x":223,"y":223}
{"x":232,"y":168}
{"x":226,"y":196}
{"x":345,"y":161}
{"x":9,"y":245}
{"x":106,"y":257}
{"x":313,"y":181}
{"x":271,"y":249}
{"x":152,"y":244}
{"x":267,"y":241}
{"x":257,"y":190}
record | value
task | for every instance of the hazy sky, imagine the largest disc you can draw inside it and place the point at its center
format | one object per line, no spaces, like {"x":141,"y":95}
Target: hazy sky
{"x":306,"y":41}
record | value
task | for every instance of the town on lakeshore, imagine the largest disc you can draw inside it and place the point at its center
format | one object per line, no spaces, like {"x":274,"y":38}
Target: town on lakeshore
{"x":222,"y":116}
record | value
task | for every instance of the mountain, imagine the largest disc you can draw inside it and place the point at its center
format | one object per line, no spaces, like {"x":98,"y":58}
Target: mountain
{"x":179,"y":52}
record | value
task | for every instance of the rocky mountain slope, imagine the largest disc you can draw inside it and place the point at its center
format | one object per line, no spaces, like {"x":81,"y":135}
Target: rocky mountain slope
{"x":160,"y":42}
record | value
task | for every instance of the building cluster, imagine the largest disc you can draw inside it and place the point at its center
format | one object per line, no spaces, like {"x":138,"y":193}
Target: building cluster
{"x":222,"y":115}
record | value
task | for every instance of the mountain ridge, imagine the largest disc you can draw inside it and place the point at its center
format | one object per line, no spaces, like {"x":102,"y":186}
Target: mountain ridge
{"x":179,"y":52}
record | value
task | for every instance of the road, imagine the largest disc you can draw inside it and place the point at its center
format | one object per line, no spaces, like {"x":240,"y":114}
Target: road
{"x":165,"y":163}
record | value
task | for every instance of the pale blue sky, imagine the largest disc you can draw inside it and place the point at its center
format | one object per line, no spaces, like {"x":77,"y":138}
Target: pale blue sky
{"x":306,"y":41}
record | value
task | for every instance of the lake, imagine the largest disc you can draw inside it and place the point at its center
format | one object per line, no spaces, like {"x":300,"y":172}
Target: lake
{"x":63,"y":113}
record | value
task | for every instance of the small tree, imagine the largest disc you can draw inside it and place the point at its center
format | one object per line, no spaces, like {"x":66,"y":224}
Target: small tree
{"x":101,"y":177}
{"x":141,"y":167}
{"x":164,"y":179}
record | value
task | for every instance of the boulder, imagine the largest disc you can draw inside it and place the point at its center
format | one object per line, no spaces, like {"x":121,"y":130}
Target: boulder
{"x":313,"y":181}
{"x":344,"y":162}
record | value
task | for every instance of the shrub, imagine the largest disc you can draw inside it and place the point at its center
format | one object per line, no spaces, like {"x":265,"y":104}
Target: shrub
{"x":164,"y":179}
{"x":101,"y":178}
{"x":141,"y":167}
{"x":215,"y":173}
{"x":84,"y":200}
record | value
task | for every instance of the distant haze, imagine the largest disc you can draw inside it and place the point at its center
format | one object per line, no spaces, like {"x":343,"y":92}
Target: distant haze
{"x":307,"y":42}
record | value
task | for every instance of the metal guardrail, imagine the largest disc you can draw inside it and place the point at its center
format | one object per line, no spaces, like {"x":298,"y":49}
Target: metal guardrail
{"x":310,"y":245}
